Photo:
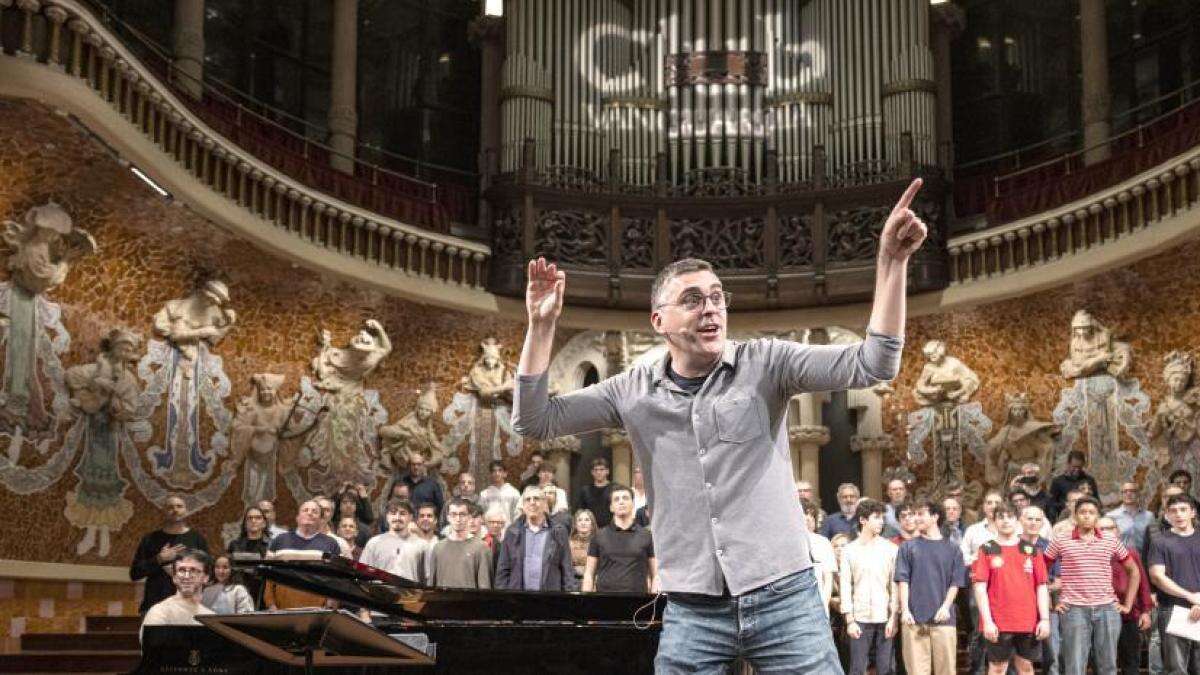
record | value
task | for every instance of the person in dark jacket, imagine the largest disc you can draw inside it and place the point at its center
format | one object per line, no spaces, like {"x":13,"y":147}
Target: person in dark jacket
{"x":1069,"y":480}
{"x":253,"y":541}
{"x":159,"y":549}
{"x":535,"y":554}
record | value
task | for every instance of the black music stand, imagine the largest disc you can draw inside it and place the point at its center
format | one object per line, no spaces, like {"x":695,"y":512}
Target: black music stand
{"x":314,"y":639}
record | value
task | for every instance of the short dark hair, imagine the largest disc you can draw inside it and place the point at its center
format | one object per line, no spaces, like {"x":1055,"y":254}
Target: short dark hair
{"x":199,"y":556}
{"x":1181,"y":499}
{"x":399,"y":505}
{"x":599,"y":461}
{"x":474,"y":509}
{"x":677,"y":268}
{"x":1005,"y":509}
{"x":904,"y":507}
{"x":428,"y":505}
{"x":865,"y":509}
{"x":933,"y":508}
{"x":1076,"y":454}
{"x":459,"y":501}
{"x":1087,"y":499}
{"x":537,"y":453}
{"x":1017,"y":493}
{"x":617,"y":487}
{"x":496,"y":464}
{"x":1179,"y":472}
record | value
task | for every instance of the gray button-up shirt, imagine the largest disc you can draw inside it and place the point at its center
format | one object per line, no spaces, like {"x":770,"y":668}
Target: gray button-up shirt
{"x":717,"y":465}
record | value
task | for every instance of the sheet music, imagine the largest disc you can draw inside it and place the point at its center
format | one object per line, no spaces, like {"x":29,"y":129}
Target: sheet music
{"x":1181,"y":626}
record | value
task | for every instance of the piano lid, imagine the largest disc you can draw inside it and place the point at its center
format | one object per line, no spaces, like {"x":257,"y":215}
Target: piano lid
{"x":365,"y":586}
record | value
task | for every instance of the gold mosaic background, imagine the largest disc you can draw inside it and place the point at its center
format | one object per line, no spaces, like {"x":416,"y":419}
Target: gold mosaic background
{"x":1017,"y":345}
{"x":150,"y":251}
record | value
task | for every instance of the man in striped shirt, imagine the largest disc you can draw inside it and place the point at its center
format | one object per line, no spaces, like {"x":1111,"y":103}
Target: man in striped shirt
{"x":1091,"y":620}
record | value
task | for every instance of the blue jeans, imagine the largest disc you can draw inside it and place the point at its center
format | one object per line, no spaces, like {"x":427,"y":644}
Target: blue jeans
{"x":1052,"y":647}
{"x":778,"y":628}
{"x":1094,"y":631}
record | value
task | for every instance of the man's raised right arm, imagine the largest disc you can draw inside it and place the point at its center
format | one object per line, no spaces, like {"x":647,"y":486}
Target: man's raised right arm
{"x":534,"y":412}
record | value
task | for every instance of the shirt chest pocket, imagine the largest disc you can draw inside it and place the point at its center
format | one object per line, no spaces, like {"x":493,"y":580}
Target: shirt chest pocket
{"x":739,"y":417}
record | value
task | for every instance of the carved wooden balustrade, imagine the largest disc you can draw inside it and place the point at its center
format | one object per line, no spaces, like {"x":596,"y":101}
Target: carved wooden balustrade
{"x":775,"y":245}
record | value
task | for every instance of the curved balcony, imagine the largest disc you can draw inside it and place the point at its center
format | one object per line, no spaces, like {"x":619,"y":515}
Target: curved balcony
{"x":67,"y":57}
{"x":775,"y":245}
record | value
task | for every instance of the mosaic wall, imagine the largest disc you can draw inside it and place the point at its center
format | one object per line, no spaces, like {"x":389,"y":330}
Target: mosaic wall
{"x":1017,"y":345}
{"x":151,"y":252}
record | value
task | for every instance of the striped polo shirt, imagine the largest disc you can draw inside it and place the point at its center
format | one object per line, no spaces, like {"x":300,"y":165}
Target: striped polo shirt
{"x":1086,"y":567}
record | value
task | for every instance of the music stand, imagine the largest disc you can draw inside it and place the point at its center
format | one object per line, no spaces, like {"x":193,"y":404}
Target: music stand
{"x":314,"y":638}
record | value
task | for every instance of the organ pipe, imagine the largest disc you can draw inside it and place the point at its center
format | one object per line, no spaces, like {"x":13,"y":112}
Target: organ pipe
{"x":716,"y":84}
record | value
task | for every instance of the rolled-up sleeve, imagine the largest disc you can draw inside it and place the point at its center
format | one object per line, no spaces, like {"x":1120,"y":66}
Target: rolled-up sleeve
{"x":536,"y":415}
{"x":805,"y":368}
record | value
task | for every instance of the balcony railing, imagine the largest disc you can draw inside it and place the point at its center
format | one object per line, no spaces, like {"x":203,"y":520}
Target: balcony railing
{"x":775,"y":245}
{"x":1035,"y":178}
{"x":63,"y":50}
{"x":420,"y":193}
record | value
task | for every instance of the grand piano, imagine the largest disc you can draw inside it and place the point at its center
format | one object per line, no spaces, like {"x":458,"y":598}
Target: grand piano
{"x":430,"y":629}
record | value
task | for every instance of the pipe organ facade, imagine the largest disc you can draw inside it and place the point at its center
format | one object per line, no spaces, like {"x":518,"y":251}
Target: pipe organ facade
{"x":718,"y":85}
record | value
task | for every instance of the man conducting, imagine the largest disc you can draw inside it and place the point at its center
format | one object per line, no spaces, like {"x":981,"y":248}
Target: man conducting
{"x":707,"y":423}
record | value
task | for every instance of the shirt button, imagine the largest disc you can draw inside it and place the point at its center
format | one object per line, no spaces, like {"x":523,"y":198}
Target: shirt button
{"x":702,"y":451}
{"x":714,"y":520}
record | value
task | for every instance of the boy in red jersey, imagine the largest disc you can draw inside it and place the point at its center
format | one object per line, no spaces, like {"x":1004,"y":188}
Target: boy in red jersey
{"x":1010,"y":590}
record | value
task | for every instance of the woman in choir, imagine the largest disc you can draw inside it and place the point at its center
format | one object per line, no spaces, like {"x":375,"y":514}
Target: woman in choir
{"x":583,"y":528}
{"x":223,"y":595}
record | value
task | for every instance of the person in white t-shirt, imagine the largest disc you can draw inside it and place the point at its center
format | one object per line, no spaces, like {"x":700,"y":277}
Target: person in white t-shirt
{"x":824,"y":559}
{"x":501,"y":492}
{"x":189,"y":573}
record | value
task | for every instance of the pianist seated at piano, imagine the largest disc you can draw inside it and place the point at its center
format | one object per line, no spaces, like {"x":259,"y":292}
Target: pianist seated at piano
{"x":308,"y":538}
{"x":189,"y":573}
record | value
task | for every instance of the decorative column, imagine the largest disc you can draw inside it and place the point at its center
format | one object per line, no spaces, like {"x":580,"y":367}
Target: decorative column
{"x":622,"y":456}
{"x":870,"y":441}
{"x":806,"y":437}
{"x":1097,"y":99}
{"x":488,"y":33}
{"x":871,"y":448}
{"x":343,"y":83}
{"x":948,"y":21}
{"x":188,"y":39}
{"x":558,"y":453}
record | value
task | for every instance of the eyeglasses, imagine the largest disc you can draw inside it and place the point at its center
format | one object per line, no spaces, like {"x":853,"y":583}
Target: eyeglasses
{"x":188,"y":572}
{"x":692,"y":302}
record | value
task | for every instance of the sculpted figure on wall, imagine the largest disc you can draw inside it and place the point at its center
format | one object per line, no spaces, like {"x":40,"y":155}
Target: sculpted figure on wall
{"x":1103,"y":404}
{"x":944,"y":379}
{"x":1022,"y":439}
{"x":257,"y":426}
{"x":182,"y":366}
{"x":343,"y":441}
{"x":414,"y":434}
{"x":104,"y":395}
{"x":489,"y":378}
{"x":43,"y":244}
{"x":1092,"y":350}
{"x":480,"y":414}
{"x":1173,"y":427}
{"x":947,"y":416}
